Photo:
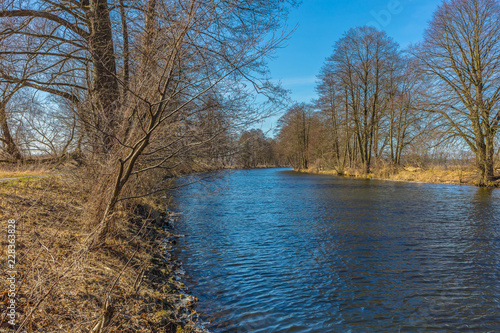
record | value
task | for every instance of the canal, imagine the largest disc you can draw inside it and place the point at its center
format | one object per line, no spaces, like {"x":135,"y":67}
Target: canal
{"x":271,"y":250}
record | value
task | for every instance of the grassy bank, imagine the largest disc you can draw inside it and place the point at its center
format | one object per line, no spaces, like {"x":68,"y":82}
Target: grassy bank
{"x":461,"y":175}
{"x":132,"y":284}
{"x":34,"y":170}
{"x":259,"y":166}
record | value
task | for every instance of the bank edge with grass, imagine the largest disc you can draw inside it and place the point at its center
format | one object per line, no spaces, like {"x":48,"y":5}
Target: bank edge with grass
{"x":132,"y":284}
{"x":458,"y":175}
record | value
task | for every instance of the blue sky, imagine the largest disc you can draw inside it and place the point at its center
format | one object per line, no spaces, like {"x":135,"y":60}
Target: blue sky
{"x":322,"y":22}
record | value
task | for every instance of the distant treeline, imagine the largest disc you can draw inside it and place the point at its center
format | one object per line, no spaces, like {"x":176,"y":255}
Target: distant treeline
{"x":256,"y":150}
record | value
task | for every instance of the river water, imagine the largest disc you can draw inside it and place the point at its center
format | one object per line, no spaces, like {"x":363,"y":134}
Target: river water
{"x":271,"y":250}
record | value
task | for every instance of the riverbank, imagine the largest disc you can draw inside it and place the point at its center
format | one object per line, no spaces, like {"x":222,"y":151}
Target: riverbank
{"x":458,"y":175}
{"x":132,"y":284}
{"x":260,"y":166}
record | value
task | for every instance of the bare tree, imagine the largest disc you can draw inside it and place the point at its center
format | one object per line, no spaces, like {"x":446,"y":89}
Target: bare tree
{"x":173,"y":55}
{"x":333,"y":104}
{"x":11,"y":148}
{"x":196,"y":51}
{"x":460,"y":56}
{"x":294,"y":134}
{"x":255,"y":149}
{"x":362,"y":62}
{"x":50,"y":128}
{"x":73,"y":44}
{"x":405,"y":94}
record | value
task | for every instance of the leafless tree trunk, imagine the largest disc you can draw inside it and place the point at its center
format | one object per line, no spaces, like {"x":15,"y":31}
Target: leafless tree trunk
{"x":460,"y":56}
{"x":361,"y":61}
{"x":126,"y":49}
{"x":65,"y":37}
{"x":11,"y":147}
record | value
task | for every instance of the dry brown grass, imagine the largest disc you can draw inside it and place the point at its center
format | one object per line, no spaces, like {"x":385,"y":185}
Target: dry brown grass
{"x":438,"y":174}
{"x":465,"y":175}
{"x":62,"y":286}
{"x":26,"y":171}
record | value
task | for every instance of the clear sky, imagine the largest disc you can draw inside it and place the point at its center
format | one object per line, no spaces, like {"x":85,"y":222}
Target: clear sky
{"x":320,"y":23}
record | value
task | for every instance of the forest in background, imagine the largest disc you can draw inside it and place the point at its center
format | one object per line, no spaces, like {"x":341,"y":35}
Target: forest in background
{"x":383,"y":108}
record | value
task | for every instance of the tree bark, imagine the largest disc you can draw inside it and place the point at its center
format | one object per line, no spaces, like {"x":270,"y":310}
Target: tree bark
{"x":126,"y":50}
{"x":10,"y":146}
{"x":105,"y":86}
{"x":485,"y":161}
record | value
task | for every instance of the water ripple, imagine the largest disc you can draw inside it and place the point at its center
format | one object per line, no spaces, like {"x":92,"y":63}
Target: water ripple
{"x":278,"y":251}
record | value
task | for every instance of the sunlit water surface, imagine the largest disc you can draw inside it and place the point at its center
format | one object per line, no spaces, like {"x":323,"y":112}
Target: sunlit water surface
{"x":271,"y":250}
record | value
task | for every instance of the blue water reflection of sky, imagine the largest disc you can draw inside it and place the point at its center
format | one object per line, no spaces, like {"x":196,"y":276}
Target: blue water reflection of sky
{"x":278,"y":251}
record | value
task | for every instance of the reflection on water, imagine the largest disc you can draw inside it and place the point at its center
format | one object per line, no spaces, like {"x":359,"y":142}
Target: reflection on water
{"x":277,"y":251}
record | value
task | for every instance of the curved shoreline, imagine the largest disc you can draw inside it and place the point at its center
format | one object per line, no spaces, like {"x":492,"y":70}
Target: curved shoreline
{"x":132,"y":284}
{"x":431,"y":176}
